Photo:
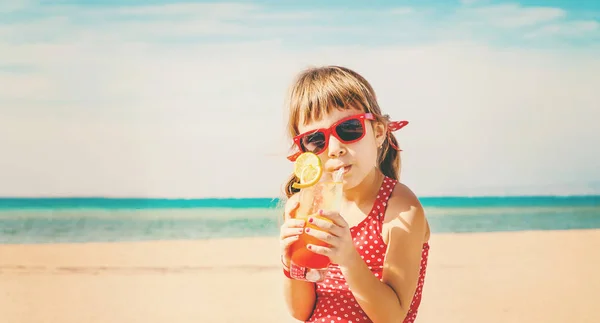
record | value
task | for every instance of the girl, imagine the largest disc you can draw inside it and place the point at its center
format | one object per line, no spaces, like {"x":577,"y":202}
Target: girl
{"x":379,"y":242}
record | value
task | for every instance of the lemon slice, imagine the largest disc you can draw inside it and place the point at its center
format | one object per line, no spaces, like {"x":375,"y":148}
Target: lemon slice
{"x":308,"y":169}
{"x":306,"y":159}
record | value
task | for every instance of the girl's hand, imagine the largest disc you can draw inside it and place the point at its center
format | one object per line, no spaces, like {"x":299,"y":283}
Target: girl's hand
{"x":337,"y":234}
{"x":289,"y":232}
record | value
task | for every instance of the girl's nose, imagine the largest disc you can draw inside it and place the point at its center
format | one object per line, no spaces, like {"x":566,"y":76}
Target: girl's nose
{"x":336,"y":149}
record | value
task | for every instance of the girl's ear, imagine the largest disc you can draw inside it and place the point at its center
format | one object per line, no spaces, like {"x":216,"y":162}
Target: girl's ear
{"x":380,"y":133}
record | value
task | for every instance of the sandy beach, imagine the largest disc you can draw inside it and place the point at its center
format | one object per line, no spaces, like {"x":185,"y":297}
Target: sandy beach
{"x":491,"y":277}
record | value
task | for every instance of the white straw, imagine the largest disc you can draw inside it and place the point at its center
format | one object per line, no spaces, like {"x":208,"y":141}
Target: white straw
{"x":337,"y":176}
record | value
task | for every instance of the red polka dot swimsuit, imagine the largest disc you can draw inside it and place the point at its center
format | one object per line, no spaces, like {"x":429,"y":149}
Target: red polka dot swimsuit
{"x":335,"y":302}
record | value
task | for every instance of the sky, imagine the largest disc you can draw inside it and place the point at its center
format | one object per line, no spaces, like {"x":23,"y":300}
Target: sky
{"x":125,"y":98}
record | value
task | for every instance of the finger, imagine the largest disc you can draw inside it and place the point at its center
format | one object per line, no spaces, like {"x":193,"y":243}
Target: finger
{"x":323,"y":236}
{"x":293,"y":223}
{"x":288,"y":232}
{"x":320,"y":249}
{"x":335,"y":217}
{"x":287,"y":242}
{"x":325,"y":225}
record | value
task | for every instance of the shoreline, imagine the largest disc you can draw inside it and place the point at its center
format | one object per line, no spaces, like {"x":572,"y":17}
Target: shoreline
{"x":20,"y":203}
{"x":233,"y":239}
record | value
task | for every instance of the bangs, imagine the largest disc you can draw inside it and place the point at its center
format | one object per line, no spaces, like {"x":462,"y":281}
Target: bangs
{"x":317,"y":94}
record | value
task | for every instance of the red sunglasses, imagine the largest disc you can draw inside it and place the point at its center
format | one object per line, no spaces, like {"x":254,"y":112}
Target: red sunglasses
{"x":347,"y":130}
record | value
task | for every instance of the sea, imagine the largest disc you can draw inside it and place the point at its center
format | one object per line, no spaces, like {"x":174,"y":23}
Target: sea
{"x":81,"y":220}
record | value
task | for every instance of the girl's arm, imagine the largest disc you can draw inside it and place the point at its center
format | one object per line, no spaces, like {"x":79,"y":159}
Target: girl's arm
{"x":389,"y":300}
{"x":300,"y":298}
{"x":299,"y":295}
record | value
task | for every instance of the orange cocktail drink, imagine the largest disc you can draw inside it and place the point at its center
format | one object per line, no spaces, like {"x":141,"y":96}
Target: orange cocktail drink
{"x":318,"y":191}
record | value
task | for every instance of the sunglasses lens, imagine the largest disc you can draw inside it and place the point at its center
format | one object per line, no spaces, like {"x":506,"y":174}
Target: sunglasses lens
{"x":350,"y":130}
{"x":314,"y":142}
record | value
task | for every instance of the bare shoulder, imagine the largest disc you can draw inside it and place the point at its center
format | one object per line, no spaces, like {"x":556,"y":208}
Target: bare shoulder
{"x":405,"y":215}
{"x":405,"y":230}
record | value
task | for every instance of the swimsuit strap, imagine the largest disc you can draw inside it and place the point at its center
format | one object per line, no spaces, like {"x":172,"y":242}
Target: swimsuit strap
{"x":381,"y":202}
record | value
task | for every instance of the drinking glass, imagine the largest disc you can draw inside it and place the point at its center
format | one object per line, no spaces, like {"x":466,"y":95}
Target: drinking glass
{"x":326,"y":195}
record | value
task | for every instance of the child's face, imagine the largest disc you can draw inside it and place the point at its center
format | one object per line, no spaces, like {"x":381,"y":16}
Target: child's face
{"x":360,"y":156}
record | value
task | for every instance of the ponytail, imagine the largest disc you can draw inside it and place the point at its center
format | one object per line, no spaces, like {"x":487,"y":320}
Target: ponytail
{"x":288,"y":190}
{"x":389,"y":157}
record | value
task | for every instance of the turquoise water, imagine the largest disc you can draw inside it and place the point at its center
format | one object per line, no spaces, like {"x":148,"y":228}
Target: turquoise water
{"x":101,"y":219}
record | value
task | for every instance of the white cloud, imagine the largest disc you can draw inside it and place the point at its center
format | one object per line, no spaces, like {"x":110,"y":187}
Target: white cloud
{"x":527,"y":25}
{"x":469,"y":2}
{"x":9,"y":6}
{"x":479,"y":117}
{"x":223,"y":10}
{"x":67,"y":23}
{"x":571,"y":29}
{"x":401,"y":11}
{"x":512,"y":15}
{"x":102,"y":114}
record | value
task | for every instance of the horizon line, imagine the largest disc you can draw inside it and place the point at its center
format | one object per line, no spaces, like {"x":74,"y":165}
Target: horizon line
{"x":98,"y":197}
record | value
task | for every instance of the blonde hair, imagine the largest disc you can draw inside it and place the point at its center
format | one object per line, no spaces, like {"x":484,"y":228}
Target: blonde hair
{"x":318,"y":90}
